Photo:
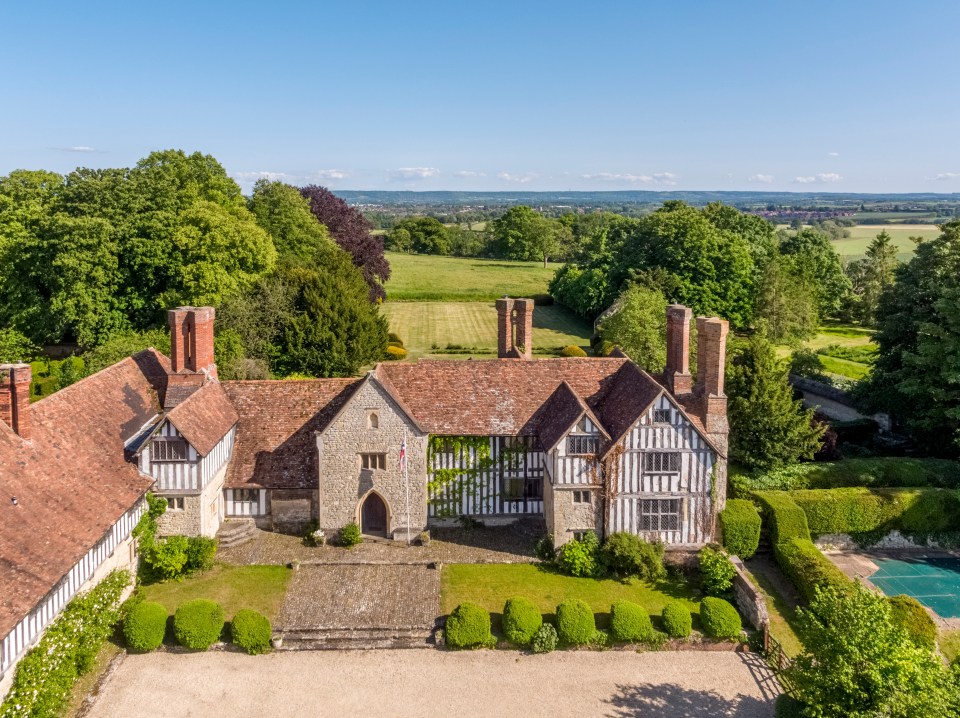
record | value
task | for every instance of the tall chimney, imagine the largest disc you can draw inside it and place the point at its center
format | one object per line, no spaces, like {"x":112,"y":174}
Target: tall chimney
{"x":15,"y":397}
{"x":711,"y":362}
{"x":524,"y":328}
{"x":678,"y":349}
{"x":191,"y":339}
{"x":504,"y":327}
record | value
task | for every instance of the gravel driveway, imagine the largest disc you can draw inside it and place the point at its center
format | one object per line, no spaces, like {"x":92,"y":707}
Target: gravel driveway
{"x":439,"y":683}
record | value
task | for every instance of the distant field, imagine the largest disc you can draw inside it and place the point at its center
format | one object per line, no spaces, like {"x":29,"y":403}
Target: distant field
{"x":425,"y":278}
{"x":860,"y":237}
{"x":421,"y":325}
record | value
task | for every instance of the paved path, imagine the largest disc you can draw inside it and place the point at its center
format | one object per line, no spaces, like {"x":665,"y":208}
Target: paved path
{"x":425,"y":684}
{"x":372,"y":596}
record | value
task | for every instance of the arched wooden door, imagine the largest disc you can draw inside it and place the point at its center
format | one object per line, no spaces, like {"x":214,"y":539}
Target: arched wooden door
{"x":373,"y":515}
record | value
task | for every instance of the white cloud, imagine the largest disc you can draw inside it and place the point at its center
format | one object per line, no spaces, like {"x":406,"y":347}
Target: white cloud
{"x":617,"y":177}
{"x":413,"y":173}
{"x":254,"y":176}
{"x":522,"y":178}
{"x":822,"y":178}
{"x":76,"y":148}
{"x":765,"y":179}
{"x":469,"y":173}
{"x":665,"y":178}
{"x":947,"y":176}
{"x":327,"y":175}
{"x":833,"y":154}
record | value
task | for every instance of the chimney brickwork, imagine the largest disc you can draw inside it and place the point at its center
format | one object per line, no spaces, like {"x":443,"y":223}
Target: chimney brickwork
{"x":524,"y":327}
{"x":514,"y":328}
{"x":15,"y":380}
{"x":711,"y":364}
{"x":504,"y":327}
{"x":678,"y":349}
{"x":191,"y":340}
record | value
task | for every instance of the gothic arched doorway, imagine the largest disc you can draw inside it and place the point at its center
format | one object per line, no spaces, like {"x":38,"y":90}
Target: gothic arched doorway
{"x":373,"y":515}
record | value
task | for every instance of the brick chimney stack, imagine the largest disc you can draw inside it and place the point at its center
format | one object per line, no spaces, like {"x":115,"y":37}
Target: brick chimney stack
{"x":678,"y":349}
{"x":514,"y":328}
{"x":15,"y":397}
{"x":711,"y":363}
{"x":191,"y":340}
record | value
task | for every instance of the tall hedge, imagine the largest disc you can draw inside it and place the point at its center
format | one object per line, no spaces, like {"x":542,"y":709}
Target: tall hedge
{"x":858,"y":510}
{"x":807,"y":567}
{"x":908,"y":613}
{"x":741,"y":523}
{"x":787,"y":520}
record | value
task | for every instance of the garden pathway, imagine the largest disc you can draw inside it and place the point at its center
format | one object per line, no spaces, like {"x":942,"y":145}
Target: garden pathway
{"x":428,"y":684}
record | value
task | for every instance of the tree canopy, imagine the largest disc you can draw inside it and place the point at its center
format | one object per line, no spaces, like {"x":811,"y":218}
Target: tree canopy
{"x":918,"y":360}
{"x":525,"y":234}
{"x":423,"y":235}
{"x":637,"y":323}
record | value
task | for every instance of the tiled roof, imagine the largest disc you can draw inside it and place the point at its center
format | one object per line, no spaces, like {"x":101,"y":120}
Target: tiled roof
{"x":497,"y":396}
{"x":629,"y":393}
{"x":275,"y":445}
{"x":205,"y":417}
{"x":72,"y":480}
{"x":558,"y":414}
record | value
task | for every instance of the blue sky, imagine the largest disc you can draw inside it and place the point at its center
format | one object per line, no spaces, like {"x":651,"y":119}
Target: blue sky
{"x":832,"y":96}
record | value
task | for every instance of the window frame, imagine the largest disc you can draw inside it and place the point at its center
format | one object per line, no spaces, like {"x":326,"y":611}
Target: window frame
{"x":575,"y":448}
{"x":169,"y":441}
{"x":655,"y":519}
{"x":658,"y":415}
{"x":172,"y":502}
{"x":650,"y":461}
{"x":583,"y":497}
{"x":373,"y":461}
{"x":373,"y":420}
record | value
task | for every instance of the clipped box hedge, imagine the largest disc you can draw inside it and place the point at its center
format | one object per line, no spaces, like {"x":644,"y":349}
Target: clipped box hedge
{"x":251,"y":631}
{"x":719,"y":618}
{"x":198,"y":624}
{"x":575,"y":622}
{"x":787,"y":520}
{"x":521,"y":620}
{"x":677,"y":620}
{"x":145,"y":625}
{"x":859,"y":510}
{"x":741,"y":522}
{"x":807,"y":567}
{"x":468,"y":627}
{"x":630,"y":622}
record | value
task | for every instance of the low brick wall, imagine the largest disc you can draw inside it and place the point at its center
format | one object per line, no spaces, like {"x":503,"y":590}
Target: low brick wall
{"x":748,"y":598}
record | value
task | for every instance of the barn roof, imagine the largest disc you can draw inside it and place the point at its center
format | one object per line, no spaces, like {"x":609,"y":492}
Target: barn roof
{"x":72,"y":479}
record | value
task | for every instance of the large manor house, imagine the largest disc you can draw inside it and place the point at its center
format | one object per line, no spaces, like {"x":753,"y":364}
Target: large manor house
{"x":580,"y":443}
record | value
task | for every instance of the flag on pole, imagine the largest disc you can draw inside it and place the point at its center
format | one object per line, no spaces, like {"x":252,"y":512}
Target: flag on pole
{"x":402,"y":463}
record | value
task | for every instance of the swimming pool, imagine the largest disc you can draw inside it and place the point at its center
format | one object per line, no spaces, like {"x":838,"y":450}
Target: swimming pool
{"x":934,"y":582}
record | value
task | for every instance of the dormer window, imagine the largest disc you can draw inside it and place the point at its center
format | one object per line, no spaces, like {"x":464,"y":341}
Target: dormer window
{"x":661,"y":416}
{"x":169,"y":449}
{"x":583,"y":445}
{"x":373,"y":420}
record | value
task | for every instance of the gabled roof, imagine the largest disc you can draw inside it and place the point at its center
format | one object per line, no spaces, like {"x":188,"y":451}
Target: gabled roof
{"x":560,"y":413}
{"x":72,"y":480}
{"x":205,"y":417}
{"x":275,"y":444}
{"x":628,"y":395}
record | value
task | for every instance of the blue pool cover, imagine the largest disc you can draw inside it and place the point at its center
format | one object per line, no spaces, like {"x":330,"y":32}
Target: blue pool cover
{"x":935,"y":582}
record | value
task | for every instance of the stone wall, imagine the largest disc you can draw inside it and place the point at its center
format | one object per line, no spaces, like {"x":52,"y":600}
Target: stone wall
{"x":893,"y":540}
{"x":564,"y":517}
{"x":748,"y":598}
{"x":343,"y":485}
{"x":292,"y":510}
{"x":202,"y":513}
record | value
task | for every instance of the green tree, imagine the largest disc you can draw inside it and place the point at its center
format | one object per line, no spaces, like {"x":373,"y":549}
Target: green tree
{"x":786,"y":303}
{"x":332,"y":328}
{"x":858,"y":664}
{"x":871,"y":276}
{"x":15,"y":347}
{"x":525,"y":234}
{"x":285,"y":215}
{"x":768,"y":427}
{"x":423,"y":235}
{"x":813,"y":257}
{"x":124,"y":344}
{"x":918,"y":360}
{"x":637,"y":324}
{"x":759,"y":234}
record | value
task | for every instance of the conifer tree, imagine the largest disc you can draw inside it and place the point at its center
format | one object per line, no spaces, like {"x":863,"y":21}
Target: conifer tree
{"x":768,"y":427}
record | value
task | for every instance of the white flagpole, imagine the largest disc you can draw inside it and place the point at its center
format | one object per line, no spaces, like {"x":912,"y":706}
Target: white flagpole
{"x":406,"y":479}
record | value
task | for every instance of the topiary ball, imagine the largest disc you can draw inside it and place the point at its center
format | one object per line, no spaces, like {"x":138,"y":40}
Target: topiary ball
{"x":572,"y":351}
{"x":575,"y":622}
{"x":521,"y":620}
{"x":468,"y":627}
{"x":677,"y":621}
{"x":350,"y":535}
{"x":629,"y":622}
{"x":719,"y":618}
{"x":145,"y":626}
{"x":197,"y":624}
{"x":251,"y":631}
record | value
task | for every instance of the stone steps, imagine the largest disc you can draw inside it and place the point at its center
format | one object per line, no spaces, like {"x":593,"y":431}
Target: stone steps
{"x":321,"y":639}
{"x":234,"y":532}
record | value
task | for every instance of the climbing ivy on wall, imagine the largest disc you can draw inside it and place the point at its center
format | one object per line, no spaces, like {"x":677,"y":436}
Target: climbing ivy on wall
{"x":446,"y":487}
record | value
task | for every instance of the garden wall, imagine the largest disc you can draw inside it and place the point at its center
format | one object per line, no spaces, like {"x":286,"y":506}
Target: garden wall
{"x":748,"y":598}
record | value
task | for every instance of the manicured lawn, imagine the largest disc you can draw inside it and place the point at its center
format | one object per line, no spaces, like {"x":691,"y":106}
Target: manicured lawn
{"x":860,"y":237}
{"x":781,"y":603}
{"x":260,"y":588}
{"x":421,"y":325}
{"x":490,"y":585}
{"x":950,"y":644}
{"x":425,"y":278}
{"x":844,"y":367}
